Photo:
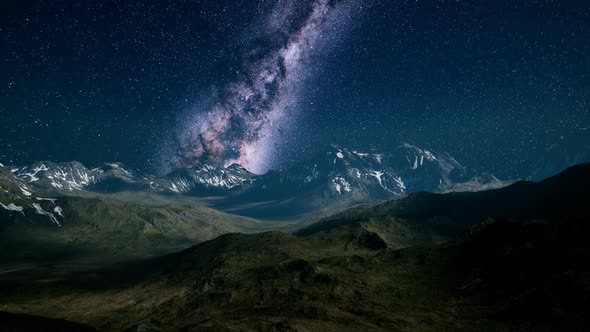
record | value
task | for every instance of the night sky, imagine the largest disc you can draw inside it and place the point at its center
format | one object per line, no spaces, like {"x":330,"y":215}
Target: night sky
{"x":164,"y":84}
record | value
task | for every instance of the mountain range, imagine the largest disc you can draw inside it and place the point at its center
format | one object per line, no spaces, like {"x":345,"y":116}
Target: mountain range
{"x":338,"y":178}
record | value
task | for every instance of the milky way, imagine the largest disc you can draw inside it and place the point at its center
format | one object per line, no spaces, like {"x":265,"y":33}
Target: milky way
{"x":248,"y":118}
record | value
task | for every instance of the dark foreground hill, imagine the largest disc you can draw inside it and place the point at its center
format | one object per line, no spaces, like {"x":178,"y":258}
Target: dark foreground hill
{"x":512,"y":259}
{"x":27,"y":323}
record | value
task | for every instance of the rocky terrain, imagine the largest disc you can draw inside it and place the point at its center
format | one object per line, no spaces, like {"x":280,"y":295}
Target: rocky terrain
{"x":508,"y":259}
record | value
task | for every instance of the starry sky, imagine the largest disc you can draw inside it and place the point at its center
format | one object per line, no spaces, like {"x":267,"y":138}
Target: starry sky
{"x":268,"y":83}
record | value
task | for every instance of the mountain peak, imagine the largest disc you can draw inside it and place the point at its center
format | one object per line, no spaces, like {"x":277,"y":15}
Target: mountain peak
{"x":237,"y":167}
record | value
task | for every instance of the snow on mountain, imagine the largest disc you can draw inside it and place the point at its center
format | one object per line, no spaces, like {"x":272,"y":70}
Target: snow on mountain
{"x":18,"y":196}
{"x":71,"y":177}
{"x":337,"y":178}
{"x":12,"y":207}
{"x":39,"y":210}
{"x":364,"y":176}
{"x":205,"y":177}
{"x":338,"y":174}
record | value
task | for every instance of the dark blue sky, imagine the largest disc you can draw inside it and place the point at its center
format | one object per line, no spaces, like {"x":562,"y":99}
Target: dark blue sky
{"x":494,"y":83}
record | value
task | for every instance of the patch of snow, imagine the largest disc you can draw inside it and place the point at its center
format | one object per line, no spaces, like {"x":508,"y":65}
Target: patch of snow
{"x":14,"y":170}
{"x":39,"y":210}
{"x":337,"y":187}
{"x":60,"y":174}
{"x":339,"y":155}
{"x":1,"y":165}
{"x":399,"y":182}
{"x":126,"y":172}
{"x":340,"y":184}
{"x":85,"y":178}
{"x":360,"y":154}
{"x":33,"y":175}
{"x":25,"y":191}
{"x":73,"y":185}
{"x":13,"y":207}
{"x":173,"y":187}
{"x":180,"y":186}
{"x":379,"y":176}
{"x":456,"y":162}
{"x":59,"y":211}
{"x":356,"y":172}
{"x":52,"y":200}
{"x":346,"y":185}
{"x":415,"y":166}
{"x":429,"y":155}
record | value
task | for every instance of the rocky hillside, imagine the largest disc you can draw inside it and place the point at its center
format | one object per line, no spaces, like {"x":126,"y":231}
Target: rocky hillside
{"x":509,"y":259}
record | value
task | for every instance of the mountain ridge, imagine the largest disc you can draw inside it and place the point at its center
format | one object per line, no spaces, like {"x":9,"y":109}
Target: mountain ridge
{"x":339,"y":177}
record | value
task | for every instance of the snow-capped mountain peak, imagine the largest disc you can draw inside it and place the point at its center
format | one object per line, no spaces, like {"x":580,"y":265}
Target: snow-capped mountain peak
{"x":338,"y":174}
